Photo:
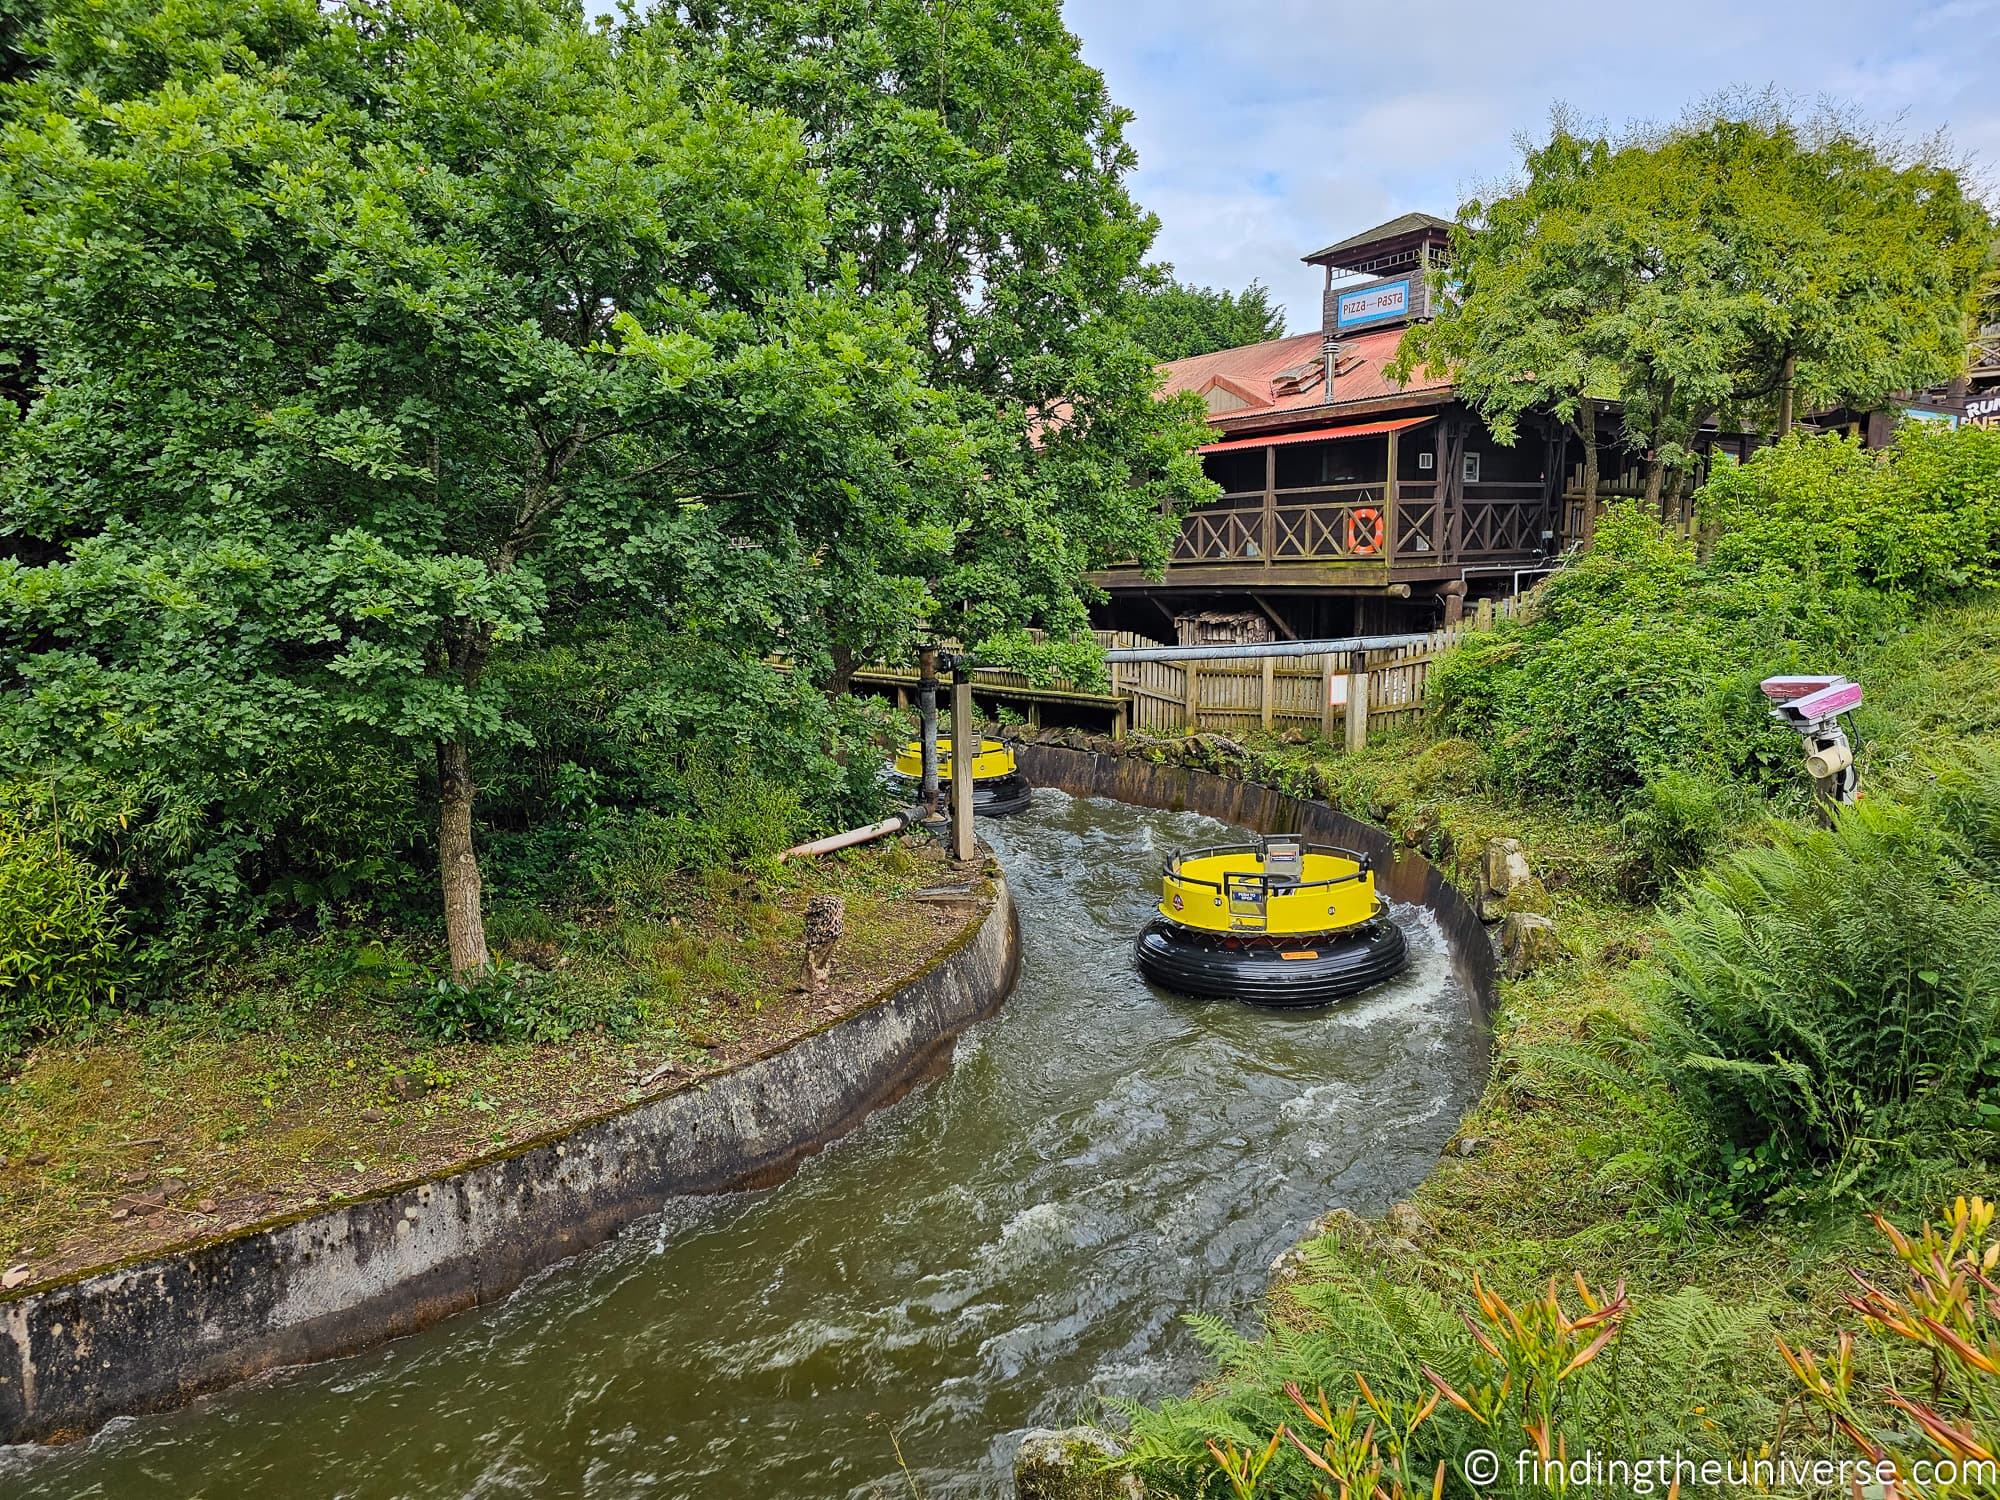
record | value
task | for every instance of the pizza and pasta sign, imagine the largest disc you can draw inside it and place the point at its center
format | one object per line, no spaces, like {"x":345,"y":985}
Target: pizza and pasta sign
{"x":1381,"y":302}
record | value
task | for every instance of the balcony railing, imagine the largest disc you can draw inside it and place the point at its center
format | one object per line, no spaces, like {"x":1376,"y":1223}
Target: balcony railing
{"x":1352,"y":523}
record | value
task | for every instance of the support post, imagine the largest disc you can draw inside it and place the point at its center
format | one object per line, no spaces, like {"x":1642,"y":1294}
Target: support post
{"x":1483,"y":614}
{"x":1269,"y":530}
{"x":1329,"y":675}
{"x":1390,"y":524}
{"x":1357,"y":701}
{"x":927,"y":732}
{"x":1193,"y":672}
{"x":1264,"y":703}
{"x":964,"y":743}
{"x":1453,"y":594}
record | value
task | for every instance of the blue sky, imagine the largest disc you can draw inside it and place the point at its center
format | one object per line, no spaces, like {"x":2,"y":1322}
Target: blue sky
{"x":1267,"y":130}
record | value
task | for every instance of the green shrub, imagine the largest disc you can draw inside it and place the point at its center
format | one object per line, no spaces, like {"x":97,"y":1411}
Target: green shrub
{"x":510,"y":1003}
{"x":62,"y":936}
{"x":1834,"y":998}
{"x":1921,"y":519}
{"x":1675,"y":820}
{"x":1669,"y":1376}
{"x":1638,"y":660}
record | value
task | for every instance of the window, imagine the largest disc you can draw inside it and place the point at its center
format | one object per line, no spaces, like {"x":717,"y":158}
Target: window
{"x":1424,"y":459}
{"x":1472,"y":468}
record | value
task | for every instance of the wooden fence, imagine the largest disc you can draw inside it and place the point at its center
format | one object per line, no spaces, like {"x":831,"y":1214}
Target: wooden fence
{"x":1233,"y":695}
{"x":1228,"y":695}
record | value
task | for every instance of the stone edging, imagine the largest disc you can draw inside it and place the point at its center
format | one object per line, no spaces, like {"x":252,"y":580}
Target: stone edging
{"x":155,"y":1334}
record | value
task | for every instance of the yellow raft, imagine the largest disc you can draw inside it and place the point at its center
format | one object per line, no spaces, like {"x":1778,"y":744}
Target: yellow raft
{"x":1275,"y":922}
{"x":997,"y":784}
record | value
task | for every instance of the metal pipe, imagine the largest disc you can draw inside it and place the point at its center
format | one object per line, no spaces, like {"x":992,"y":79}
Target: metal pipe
{"x":894,"y":823}
{"x":1253,"y":652}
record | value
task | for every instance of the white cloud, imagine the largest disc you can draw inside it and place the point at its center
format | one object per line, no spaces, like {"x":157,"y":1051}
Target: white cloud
{"x":1266,"y":131}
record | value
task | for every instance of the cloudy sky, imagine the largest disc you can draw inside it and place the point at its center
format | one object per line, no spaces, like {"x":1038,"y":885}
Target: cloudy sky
{"x":1270,"y":129}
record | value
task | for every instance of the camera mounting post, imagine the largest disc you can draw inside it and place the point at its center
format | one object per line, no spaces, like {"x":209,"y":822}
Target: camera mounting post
{"x":1812,"y":706}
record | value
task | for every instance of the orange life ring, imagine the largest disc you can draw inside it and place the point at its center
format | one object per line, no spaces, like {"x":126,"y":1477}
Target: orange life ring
{"x":1364,"y":543}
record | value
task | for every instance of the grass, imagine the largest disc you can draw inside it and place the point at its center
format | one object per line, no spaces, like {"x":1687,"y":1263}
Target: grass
{"x":1566,"y":1164}
{"x":293,"y":1075}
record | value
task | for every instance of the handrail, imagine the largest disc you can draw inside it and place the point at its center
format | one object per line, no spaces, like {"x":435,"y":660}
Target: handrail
{"x":1170,"y":869}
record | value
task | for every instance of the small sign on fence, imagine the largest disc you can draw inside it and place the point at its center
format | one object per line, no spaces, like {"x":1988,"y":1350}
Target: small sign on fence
{"x":1336,"y":687}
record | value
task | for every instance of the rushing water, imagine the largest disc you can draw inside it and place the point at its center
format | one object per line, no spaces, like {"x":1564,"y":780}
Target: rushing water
{"x":997,"y":1251}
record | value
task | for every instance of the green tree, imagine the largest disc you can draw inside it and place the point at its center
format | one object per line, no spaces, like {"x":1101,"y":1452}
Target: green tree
{"x":1726,"y":270}
{"x":1176,"y":320}
{"x":1531,"y":294}
{"x":976,"y":164}
{"x":384,"y":340}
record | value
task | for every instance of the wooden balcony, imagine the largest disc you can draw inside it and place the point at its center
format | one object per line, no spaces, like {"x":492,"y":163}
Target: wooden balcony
{"x":1349,"y":535}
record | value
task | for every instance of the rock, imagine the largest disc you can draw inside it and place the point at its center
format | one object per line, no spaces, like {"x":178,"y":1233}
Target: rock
{"x":38,"y":1159}
{"x":1406,"y":1223}
{"x":405,"y":1088}
{"x":1506,"y":883}
{"x":1471,"y":1145}
{"x":14,"y":1276}
{"x":206,"y":1205}
{"x":1069,"y":1465}
{"x":1529,"y":942}
{"x":374,"y":1116}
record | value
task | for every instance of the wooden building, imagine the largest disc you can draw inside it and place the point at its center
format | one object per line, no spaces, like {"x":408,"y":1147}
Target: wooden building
{"x":1351,"y":502}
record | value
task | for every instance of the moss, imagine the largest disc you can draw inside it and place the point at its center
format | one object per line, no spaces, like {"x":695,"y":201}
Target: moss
{"x":287,"y":1087}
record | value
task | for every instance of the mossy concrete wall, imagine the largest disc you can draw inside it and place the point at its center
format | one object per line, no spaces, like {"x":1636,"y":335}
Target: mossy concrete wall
{"x":152,"y":1335}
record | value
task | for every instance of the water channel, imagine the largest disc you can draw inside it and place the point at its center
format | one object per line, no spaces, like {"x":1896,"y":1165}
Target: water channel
{"x":997,"y":1251}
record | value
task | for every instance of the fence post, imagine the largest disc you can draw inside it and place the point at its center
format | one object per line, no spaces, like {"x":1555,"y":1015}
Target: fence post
{"x":1329,"y":674}
{"x":1193,"y":696}
{"x":1485,"y":614}
{"x":1269,"y":690}
{"x":1357,"y":701}
{"x":965,"y":739}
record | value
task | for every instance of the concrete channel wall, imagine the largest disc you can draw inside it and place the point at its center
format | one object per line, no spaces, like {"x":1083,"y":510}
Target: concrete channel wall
{"x":152,"y":1335}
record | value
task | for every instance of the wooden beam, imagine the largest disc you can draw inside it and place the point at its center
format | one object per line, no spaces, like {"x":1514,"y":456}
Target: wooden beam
{"x":1277,"y":622}
{"x":1357,"y":701}
{"x":964,"y":741}
{"x":1389,"y":522}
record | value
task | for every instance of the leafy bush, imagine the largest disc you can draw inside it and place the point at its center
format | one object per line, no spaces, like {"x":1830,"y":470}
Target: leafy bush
{"x":1922,"y":519}
{"x":1388,"y":1374}
{"x":62,"y":936}
{"x":509,"y":1003}
{"x":1834,"y":997}
{"x":653,"y":754}
{"x":1637,"y":660}
{"x":1675,"y":820}
{"x":1945,"y":1311}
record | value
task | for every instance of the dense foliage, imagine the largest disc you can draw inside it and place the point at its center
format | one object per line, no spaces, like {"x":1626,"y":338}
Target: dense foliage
{"x":61,"y":934}
{"x":1738,"y":267}
{"x":420,"y":398}
{"x":1177,"y":320}
{"x":1641,"y":659}
{"x":1835,"y":993}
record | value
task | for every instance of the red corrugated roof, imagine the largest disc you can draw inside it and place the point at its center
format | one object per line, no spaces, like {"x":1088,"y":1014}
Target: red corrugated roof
{"x":1313,"y":435}
{"x":1256,"y":366}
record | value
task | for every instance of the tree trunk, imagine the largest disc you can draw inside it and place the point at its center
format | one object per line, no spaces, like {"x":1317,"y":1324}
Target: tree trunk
{"x":458,"y":864}
{"x":1587,"y":423}
{"x":1786,"y":382}
{"x":841,"y":677}
{"x":1655,"y":472}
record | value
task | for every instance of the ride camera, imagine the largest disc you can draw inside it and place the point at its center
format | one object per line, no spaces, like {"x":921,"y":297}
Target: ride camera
{"x":1813,"y":706}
